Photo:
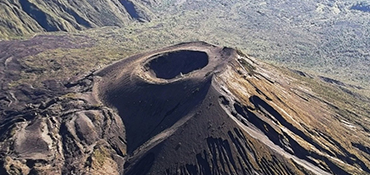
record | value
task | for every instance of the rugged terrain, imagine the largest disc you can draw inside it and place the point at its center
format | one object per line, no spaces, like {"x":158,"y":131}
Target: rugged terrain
{"x":85,"y":89}
{"x":24,"y":17}
{"x":192,"y":108}
{"x":329,"y":37}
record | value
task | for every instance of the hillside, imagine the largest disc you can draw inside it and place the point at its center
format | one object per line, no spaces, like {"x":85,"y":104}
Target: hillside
{"x":325,"y":37}
{"x":191,"y":108}
{"x":24,"y":17}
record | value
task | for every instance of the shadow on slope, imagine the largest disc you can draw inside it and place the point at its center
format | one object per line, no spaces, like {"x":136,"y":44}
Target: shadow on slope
{"x":362,"y":6}
{"x":148,"y":109}
{"x":130,"y":8}
{"x":170,"y":65}
{"x":38,"y":15}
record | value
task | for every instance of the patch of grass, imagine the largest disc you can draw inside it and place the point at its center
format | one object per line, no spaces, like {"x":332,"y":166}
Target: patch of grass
{"x":99,"y":156}
{"x":69,"y":96}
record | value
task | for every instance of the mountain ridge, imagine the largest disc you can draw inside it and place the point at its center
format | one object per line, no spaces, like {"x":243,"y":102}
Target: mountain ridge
{"x":31,"y":16}
{"x":255,"y":27}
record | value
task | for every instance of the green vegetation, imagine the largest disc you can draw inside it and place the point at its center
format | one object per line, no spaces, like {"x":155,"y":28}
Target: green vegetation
{"x":22,"y":17}
{"x":100,"y":155}
{"x":296,"y":37}
{"x":348,"y":104}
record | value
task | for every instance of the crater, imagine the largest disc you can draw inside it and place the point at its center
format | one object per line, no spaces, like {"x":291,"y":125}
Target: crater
{"x":173,"y":64}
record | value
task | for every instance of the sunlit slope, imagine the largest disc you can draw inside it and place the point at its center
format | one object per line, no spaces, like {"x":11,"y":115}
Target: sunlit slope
{"x":235,"y":115}
{"x":24,"y":17}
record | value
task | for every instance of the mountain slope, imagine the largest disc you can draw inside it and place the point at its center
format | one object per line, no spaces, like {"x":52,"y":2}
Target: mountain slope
{"x":233,"y":116}
{"x":329,"y":37}
{"x":192,"y":108}
{"x":30,"y":16}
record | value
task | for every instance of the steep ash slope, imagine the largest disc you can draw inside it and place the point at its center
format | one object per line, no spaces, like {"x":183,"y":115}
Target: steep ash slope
{"x":231,"y":116}
{"x":192,"y":108}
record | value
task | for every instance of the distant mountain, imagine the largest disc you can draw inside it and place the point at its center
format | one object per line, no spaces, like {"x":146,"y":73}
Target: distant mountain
{"x":20,"y":17}
{"x":329,"y":37}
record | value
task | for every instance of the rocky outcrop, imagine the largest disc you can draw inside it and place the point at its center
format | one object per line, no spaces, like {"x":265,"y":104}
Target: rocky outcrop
{"x":72,"y":133}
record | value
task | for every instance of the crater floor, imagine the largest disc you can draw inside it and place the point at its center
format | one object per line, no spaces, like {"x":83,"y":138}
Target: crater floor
{"x":172,"y":64}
